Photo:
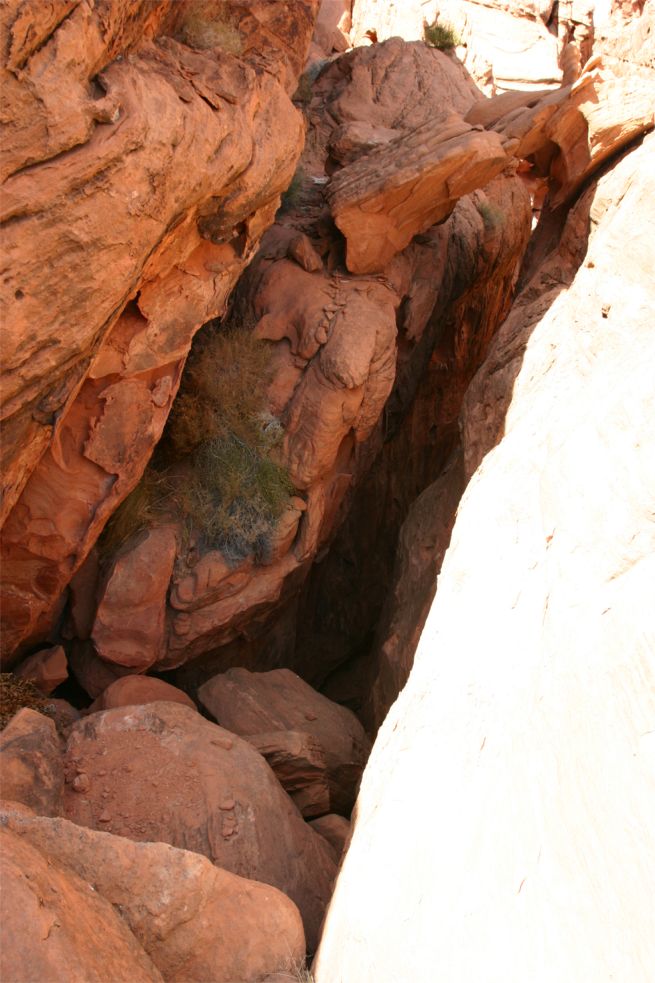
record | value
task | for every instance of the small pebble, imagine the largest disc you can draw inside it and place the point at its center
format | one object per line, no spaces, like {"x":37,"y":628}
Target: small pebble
{"x":104,"y":817}
{"x":227,"y":804}
{"x":81,"y":783}
{"x":310,"y":716}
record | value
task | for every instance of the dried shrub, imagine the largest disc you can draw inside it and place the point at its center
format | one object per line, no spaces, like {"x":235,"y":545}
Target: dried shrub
{"x":205,"y":26}
{"x":145,"y":503}
{"x":222,"y":391}
{"x":16,"y":693}
{"x":442,"y":36}
{"x":215,"y":469}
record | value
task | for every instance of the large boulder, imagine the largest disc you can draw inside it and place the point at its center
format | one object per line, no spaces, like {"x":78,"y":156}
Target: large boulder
{"x":31,"y":762}
{"x":45,"y":669}
{"x":134,"y":690}
{"x":56,"y":927}
{"x":161,"y":772}
{"x":253,"y":703}
{"x":298,"y":761}
{"x":197,"y":923}
{"x":531,"y":851}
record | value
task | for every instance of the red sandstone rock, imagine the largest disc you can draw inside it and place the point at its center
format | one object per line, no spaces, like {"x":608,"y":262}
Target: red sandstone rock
{"x":383,"y":200}
{"x":56,"y":927}
{"x":336,"y":830}
{"x":175,"y":215}
{"x":162,"y":772}
{"x":196,"y":922}
{"x":299,"y":763}
{"x":129,"y":625}
{"x":253,"y":703}
{"x":138,"y":690}
{"x":31,"y":762}
{"x":92,"y":673}
{"x":46,"y":669}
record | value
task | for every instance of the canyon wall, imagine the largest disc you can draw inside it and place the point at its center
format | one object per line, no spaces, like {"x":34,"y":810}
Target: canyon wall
{"x":503,"y":830}
{"x":122,"y":236}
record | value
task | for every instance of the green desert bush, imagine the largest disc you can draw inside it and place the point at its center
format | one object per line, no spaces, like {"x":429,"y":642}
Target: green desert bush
{"x":442,"y":36}
{"x":234,"y":496}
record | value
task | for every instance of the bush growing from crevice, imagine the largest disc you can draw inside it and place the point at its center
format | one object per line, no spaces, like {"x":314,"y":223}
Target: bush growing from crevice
{"x":215,"y":468}
{"x":205,"y":25}
{"x":142,"y":507}
{"x":442,"y":36}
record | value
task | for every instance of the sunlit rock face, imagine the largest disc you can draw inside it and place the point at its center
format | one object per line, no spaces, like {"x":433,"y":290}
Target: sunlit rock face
{"x":339,"y":343}
{"x":530,"y":705}
{"x":122,"y":238}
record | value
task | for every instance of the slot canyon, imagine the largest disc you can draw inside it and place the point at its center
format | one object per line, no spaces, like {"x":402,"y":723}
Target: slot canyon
{"x":328,"y":491}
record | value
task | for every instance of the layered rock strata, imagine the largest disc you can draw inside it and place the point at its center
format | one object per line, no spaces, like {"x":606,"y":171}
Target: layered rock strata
{"x":121,"y":239}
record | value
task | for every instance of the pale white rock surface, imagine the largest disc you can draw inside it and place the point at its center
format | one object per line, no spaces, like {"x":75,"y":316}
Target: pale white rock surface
{"x":504,"y":829}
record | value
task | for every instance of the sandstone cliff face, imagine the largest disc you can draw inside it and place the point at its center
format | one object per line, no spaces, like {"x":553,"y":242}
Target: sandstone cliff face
{"x":530,"y":702}
{"x":144,"y":163}
{"x":336,"y":354}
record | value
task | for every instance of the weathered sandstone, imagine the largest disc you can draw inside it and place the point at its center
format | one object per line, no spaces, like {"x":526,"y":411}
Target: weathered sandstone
{"x":252,"y":703}
{"x":31,"y":762}
{"x":136,"y":237}
{"x":46,"y":669}
{"x":56,"y":927}
{"x":161,"y":772}
{"x":137,"y":690}
{"x":196,"y":922}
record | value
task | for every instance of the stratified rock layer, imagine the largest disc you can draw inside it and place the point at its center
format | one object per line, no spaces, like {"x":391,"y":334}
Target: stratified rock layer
{"x":122,"y":237}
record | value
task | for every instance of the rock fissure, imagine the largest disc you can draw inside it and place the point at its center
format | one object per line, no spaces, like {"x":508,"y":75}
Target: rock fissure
{"x":258,"y":453}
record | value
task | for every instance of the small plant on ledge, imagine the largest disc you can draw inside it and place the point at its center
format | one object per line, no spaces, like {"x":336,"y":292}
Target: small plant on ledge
{"x":216,"y":468}
{"x":442,"y":36}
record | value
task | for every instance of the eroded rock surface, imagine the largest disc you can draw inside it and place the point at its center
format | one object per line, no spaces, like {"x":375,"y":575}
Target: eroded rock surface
{"x":56,"y":927}
{"x":136,"y":237}
{"x":253,"y":703}
{"x":163,"y":773}
{"x":31,"y":762}
{"x":197,"y":922}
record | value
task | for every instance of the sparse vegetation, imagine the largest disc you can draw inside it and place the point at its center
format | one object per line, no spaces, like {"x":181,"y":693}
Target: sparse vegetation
{"x":205,"y":25}
{"x":140,"y":509}
{"x":304,"y":91}
{"x":216,"y":467}
{"x":441,"y":35}
{"x":293,"y":195}
{"x":492,"y":216}
{"x":16,"y":693}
